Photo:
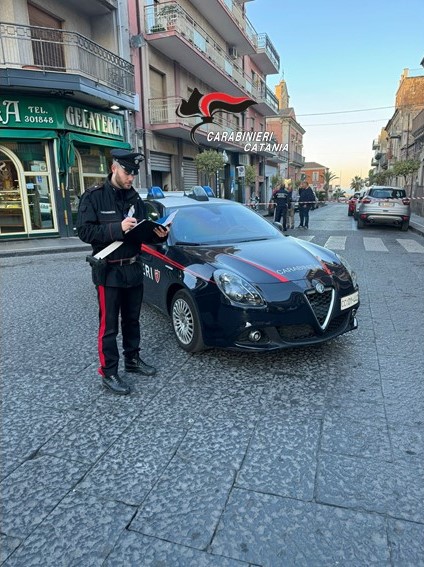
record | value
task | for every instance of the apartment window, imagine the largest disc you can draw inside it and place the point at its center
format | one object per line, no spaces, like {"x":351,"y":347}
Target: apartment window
{"x":315,"y":177}
{"x":157,"y":83}
{"x":47,"y":39}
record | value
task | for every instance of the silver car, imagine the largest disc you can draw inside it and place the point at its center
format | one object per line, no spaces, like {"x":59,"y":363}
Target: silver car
{"x":383,"y":205}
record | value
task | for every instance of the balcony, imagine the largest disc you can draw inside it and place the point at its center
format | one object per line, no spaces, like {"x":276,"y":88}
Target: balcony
{"x":227,"y":17}
{"x":33,"y":57}
{"x":375,"y":145}
{"x":174,"y":31}
{"x":266,"y":56}
{"x":296,"y":159}
{"x":163,"y":119}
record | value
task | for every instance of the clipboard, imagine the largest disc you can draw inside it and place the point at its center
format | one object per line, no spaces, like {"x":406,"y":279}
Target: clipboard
{"x":143,"y":231}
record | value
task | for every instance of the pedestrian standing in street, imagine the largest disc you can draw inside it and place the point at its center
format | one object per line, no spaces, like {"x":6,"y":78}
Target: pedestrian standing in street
{"x":282,"y":198}
{"x":306,"y":202}
{"x":106,"y":212}
{"x":294,"y":193}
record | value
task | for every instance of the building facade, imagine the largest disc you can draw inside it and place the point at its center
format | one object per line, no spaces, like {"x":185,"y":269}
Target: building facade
{"x":289,"y":132}
{"x":62,"y":72}
{"x":314,"y":174}
{"x":212,"y":47}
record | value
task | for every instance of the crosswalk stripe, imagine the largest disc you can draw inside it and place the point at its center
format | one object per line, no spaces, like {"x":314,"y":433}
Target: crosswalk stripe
{"x":308,"y":238}
{"x":374,"y":245}
{"x":411,"y":245}
{"x":336,"y":243}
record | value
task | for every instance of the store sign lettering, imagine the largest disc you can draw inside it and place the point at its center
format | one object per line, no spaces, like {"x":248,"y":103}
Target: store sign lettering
{"x":11,"y":110}
{"x":93,"y":121}
{"x":48,"y":113}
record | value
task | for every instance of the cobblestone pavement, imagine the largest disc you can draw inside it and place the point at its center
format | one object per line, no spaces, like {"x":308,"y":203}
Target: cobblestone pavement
{"x":303,"y":457}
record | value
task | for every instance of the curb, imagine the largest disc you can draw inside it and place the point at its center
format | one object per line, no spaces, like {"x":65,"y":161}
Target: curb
{"x":39,"y":251}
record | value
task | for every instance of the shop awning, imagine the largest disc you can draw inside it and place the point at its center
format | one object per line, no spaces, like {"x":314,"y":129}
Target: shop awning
{"x":97,"y":141}
{"x":25,"y":134}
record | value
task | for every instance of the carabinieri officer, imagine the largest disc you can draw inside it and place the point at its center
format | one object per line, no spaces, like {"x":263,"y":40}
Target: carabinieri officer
{"x":105,"y":213}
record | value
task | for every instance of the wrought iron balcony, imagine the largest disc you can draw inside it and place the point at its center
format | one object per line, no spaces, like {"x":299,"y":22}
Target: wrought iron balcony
{"x":46,"y":49}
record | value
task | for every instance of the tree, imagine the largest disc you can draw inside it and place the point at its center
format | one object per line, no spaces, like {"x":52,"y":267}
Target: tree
{"x":356,"y":183}
{"x":249,"y":175}
{"x":276,"y":180}
{"x":405,"y":168}
{"x":339,"y":193}
{"x":209,"y":162}
{"x":379,"y":178}
{"x":328,"y":177}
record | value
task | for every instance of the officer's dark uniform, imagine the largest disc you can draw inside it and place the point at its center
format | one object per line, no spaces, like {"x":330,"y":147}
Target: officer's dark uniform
{"x":282,"y":197}
{"x":119,"y":277}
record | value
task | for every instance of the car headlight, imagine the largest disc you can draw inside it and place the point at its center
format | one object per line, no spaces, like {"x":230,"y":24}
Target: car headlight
{"x":349,"y":269}
{"x":237,"y":289}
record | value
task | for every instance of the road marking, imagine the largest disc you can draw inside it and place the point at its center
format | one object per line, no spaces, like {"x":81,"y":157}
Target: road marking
{"x":374,"y":245}
{"x":308,"y":238}
{"x":411,"y":245}
{"x":336,"y":243}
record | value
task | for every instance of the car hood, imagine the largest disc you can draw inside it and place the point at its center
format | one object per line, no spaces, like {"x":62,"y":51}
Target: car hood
{"x":271,"y":261}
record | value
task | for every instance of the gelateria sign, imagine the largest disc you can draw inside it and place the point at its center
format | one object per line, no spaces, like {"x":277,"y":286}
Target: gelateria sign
{"x":25,"y":112}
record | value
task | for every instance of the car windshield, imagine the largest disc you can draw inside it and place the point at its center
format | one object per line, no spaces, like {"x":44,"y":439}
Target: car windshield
{"x":387,"y":193}
{"x":219,"y":223}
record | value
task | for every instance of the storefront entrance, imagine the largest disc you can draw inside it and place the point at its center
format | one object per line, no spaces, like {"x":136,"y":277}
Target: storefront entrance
{"x":26,"y":200}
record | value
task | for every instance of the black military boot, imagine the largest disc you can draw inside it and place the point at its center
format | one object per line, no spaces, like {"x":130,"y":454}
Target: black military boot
{"x":136,"y":365}
{"x":116,"y":385}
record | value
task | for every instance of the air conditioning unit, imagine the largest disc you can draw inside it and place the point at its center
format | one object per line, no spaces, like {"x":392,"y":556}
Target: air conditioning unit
{"x":232,"y":51}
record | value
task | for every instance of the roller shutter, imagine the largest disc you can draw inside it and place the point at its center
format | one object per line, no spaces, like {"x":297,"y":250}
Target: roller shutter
{"x":190,"y":174}
{"x":160,"y":162}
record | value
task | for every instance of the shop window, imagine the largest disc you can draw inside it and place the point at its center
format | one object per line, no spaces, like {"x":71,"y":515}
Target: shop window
{"x":90,"y":168}
{"x":11,"y":212}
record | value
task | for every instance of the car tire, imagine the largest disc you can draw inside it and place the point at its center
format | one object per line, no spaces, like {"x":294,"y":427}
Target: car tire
{"x":404,"y":226}
{"x":186,"y":322}
{"x":361,"y":223}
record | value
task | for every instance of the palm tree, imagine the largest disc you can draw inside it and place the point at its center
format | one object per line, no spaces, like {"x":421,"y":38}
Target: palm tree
{"x":356,"y":183}
{"x":328,"y":177}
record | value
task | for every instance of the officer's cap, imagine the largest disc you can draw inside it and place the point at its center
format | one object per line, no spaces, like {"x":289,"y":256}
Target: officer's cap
{"x":130,"y":162}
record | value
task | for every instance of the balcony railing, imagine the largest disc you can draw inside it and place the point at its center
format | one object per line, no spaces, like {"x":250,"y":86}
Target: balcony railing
{"x":47,"y":49}
{"x":170,"y":16}
{"x":263,"y":43}
{"x":162,"y":111}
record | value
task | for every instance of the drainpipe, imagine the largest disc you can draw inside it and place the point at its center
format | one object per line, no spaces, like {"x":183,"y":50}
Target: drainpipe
{"x":143,"y":114}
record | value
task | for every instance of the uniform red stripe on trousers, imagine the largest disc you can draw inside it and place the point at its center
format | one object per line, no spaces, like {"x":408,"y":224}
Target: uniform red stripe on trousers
{"x":102,"y":327}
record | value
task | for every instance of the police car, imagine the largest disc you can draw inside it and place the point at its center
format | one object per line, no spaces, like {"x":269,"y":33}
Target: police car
{"x":228,"y":278}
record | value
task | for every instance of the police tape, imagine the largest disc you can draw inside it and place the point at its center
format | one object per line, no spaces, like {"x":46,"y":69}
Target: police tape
{"x":317,"y":203}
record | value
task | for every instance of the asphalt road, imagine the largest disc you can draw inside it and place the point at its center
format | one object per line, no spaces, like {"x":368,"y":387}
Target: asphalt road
{"x":304,"y":457}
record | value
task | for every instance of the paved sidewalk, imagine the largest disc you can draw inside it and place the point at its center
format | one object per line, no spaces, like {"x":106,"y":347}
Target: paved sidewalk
{"x":54,"y":245}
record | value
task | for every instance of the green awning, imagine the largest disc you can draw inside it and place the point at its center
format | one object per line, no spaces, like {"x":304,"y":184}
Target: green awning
{"x":33,"y":134}
{"x":94,"y":140}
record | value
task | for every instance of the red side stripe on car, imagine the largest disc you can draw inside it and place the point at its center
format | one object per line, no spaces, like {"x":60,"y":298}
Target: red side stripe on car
{"x":102,"y":326}
{"x":164,"y":258}
{"x":270,"y":272}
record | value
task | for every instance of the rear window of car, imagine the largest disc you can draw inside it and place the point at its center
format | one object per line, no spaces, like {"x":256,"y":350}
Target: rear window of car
{"x":387,"y":193}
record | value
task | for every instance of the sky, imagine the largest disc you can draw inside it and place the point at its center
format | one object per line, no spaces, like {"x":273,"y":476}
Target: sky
{"x":338,"y":56}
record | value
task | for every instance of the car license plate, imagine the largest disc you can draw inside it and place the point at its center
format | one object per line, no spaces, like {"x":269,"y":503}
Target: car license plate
{"x":349,"y":300}
{"x":385,"y":204}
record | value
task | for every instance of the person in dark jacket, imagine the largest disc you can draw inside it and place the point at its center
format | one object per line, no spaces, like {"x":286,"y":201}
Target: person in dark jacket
{"x":282,"y":198}
{"x":306,"y":203}
{"x":105,"y":213}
